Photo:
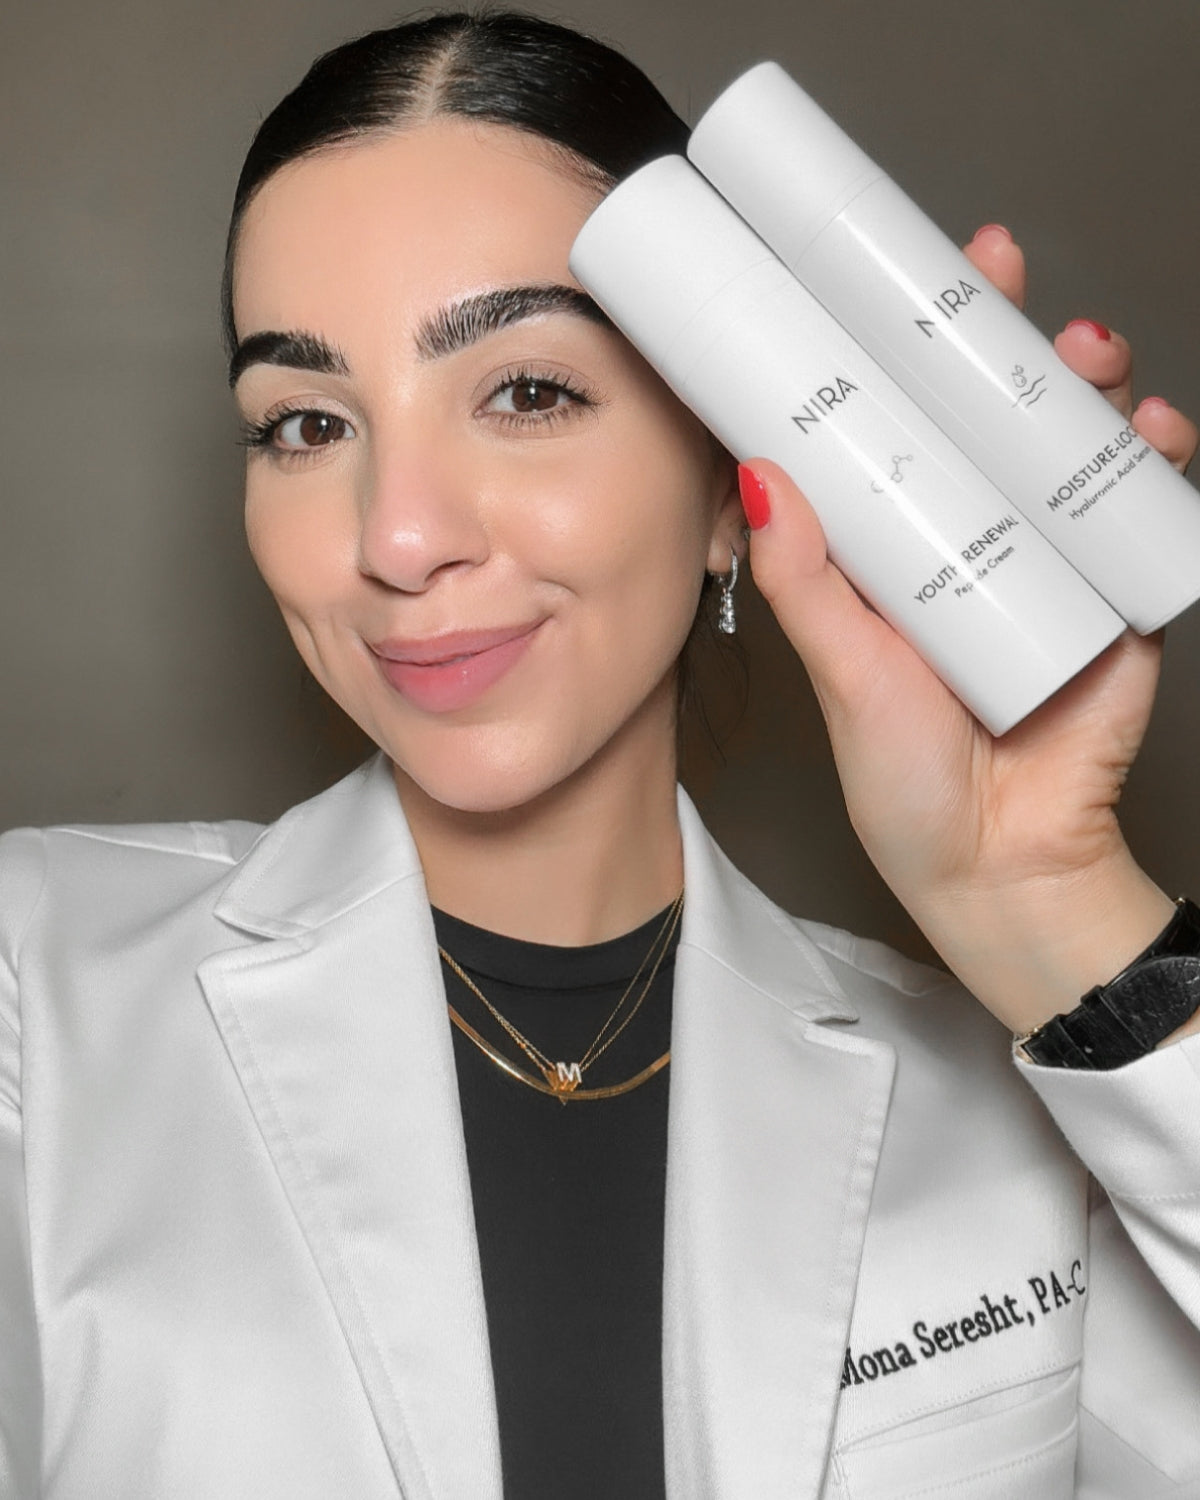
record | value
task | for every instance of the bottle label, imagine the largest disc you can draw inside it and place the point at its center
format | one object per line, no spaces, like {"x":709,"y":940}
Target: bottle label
{"x":1100,"y":475}
{"x":995,"y":386}
{"x":823,"y":401}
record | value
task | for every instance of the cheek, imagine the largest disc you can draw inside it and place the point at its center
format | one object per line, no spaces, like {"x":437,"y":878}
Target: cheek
{"x":301,"y":549}
{"x":636,"y":531}
{"x":630,"y":508}
{"x":664,"y":526}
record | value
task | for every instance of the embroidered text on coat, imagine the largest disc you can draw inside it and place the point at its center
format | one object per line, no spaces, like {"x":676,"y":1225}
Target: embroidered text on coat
{"x":987,"y":1319}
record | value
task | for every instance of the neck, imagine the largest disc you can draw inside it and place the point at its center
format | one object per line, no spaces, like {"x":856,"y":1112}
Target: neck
{"x":592,"y":858}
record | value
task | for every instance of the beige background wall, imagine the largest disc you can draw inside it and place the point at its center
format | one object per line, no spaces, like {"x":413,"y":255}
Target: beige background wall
{"x":142,"y":672}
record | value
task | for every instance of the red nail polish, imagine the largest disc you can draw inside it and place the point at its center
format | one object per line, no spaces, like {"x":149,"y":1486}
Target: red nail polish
{"x":1097,"y":328}
{"x":754,"y":498}
{"x":988,"y":228}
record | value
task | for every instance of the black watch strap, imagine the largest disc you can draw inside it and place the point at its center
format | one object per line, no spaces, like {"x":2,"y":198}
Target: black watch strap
{"x":1126,"y":1018}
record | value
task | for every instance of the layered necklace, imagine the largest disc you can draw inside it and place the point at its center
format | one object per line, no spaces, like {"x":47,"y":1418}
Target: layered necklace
{"x":564,"y":1080}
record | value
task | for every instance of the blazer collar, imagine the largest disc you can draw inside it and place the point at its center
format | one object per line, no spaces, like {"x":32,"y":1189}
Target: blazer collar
{"x":337,"y":1028}
{"x":323,"y":857}
{"x":731,"y":922}
{"x":351,"y":842}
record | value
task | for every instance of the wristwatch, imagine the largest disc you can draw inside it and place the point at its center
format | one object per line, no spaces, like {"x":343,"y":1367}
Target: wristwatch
{"x":1120,"y":1021}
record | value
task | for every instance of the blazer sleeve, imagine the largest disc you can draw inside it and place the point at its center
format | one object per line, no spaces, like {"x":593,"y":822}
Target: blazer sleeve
{"x":1137,"y":1129}
{"x":21,"y":875}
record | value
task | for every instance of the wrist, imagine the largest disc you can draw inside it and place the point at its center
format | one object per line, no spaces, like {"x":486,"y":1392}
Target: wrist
{"x":1029,"y":951}
{"x":1154,"y":1000}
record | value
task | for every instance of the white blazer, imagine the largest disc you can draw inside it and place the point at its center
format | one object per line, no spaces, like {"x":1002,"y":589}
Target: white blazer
{"x":237,"y":1254}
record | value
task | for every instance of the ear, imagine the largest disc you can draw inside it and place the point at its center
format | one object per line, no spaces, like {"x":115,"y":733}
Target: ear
{"x":729,"y":520}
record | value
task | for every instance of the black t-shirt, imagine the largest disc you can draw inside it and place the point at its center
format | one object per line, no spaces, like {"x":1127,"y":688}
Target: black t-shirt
{"x":568,"y":1211}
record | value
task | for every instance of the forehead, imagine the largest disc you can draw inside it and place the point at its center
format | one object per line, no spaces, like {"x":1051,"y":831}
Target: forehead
{"x":388,"y":228}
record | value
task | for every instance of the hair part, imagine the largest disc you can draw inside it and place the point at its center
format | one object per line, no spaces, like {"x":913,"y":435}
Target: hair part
{"x":581,"y":97}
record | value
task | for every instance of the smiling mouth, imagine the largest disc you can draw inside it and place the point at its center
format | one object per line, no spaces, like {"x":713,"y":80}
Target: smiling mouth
{"x":452,"y":671}
{"x":452,"y":646}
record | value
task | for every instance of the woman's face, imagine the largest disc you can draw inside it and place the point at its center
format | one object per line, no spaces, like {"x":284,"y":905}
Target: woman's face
{"x":484,"y":517}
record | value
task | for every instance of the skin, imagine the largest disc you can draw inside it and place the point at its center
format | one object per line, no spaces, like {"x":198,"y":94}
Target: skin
{"x":545,"y":808}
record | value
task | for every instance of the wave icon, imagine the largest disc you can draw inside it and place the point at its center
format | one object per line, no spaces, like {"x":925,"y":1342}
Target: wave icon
{"x":1034,"y":394}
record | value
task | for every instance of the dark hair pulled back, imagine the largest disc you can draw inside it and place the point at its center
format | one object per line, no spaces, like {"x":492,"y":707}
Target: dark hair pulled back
{"x":503,"y":67}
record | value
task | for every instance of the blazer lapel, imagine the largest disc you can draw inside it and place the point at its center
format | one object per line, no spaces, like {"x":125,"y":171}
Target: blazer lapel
{"x":336,"y":1024}
{"x":774,"y":1132}
{"x":332,"y":1010}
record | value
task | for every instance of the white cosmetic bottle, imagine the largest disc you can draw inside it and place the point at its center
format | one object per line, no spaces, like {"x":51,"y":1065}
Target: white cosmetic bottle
{"x":1112,"y":505}
{"x":925,"y":537}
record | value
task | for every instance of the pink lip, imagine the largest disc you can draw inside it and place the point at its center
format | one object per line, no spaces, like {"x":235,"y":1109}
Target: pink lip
{"x":446,"y":672}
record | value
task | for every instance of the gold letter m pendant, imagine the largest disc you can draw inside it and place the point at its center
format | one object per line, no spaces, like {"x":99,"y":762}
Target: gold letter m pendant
{"x":564,"y":1078}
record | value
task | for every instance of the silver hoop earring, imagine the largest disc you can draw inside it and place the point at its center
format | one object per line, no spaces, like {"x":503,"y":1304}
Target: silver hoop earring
{"x":726,"y":615}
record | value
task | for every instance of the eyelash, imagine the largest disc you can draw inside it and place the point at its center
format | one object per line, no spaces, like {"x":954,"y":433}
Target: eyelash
{"x":260,"y":436}
{"x":578,"y":400}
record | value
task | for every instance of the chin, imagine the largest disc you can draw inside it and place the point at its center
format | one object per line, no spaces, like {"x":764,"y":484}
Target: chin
{"x":502,"y":780}
{"x":504,"y":762}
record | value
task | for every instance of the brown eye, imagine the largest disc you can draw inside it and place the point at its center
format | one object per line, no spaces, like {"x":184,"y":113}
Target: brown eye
{"x":310,"y":429}
{"x":533,"y":402}
{"x":535,"y":395}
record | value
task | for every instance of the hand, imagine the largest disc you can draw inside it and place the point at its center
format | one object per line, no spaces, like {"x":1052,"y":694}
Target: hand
{"x":1006,"y":852}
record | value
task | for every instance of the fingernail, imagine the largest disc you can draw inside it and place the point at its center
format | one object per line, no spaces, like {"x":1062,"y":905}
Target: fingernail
{"x":993,"y":229}
{"x":1153,"y":401}
{"x":1098,"y":329}
{"x":754,"y":498}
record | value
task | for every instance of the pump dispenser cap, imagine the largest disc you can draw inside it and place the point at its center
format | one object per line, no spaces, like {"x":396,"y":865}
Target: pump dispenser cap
{"x":778,"y":158}
{"x":658,"y":250}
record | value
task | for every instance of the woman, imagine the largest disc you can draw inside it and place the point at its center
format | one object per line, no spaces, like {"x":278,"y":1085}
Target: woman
{"x":297,"y":1204}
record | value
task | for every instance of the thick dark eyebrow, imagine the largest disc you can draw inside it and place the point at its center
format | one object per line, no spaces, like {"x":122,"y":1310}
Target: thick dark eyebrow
{"x":466,"y":322}
{"x":298,"y":351}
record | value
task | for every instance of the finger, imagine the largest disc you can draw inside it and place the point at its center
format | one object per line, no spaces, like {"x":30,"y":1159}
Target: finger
{"x":839,"y":638}
{"x":1102,"y":357}
{"x":1168,"y":430}
{"x":994,"y":252}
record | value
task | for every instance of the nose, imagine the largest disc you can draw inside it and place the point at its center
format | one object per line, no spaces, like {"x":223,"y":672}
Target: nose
{"x":419,"y":518}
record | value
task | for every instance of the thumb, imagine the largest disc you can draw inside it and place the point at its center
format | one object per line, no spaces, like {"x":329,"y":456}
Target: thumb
{"x":843,"y":643}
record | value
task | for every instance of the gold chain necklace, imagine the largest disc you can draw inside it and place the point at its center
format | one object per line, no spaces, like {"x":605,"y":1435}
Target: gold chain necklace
{"x":564,"y":1080}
